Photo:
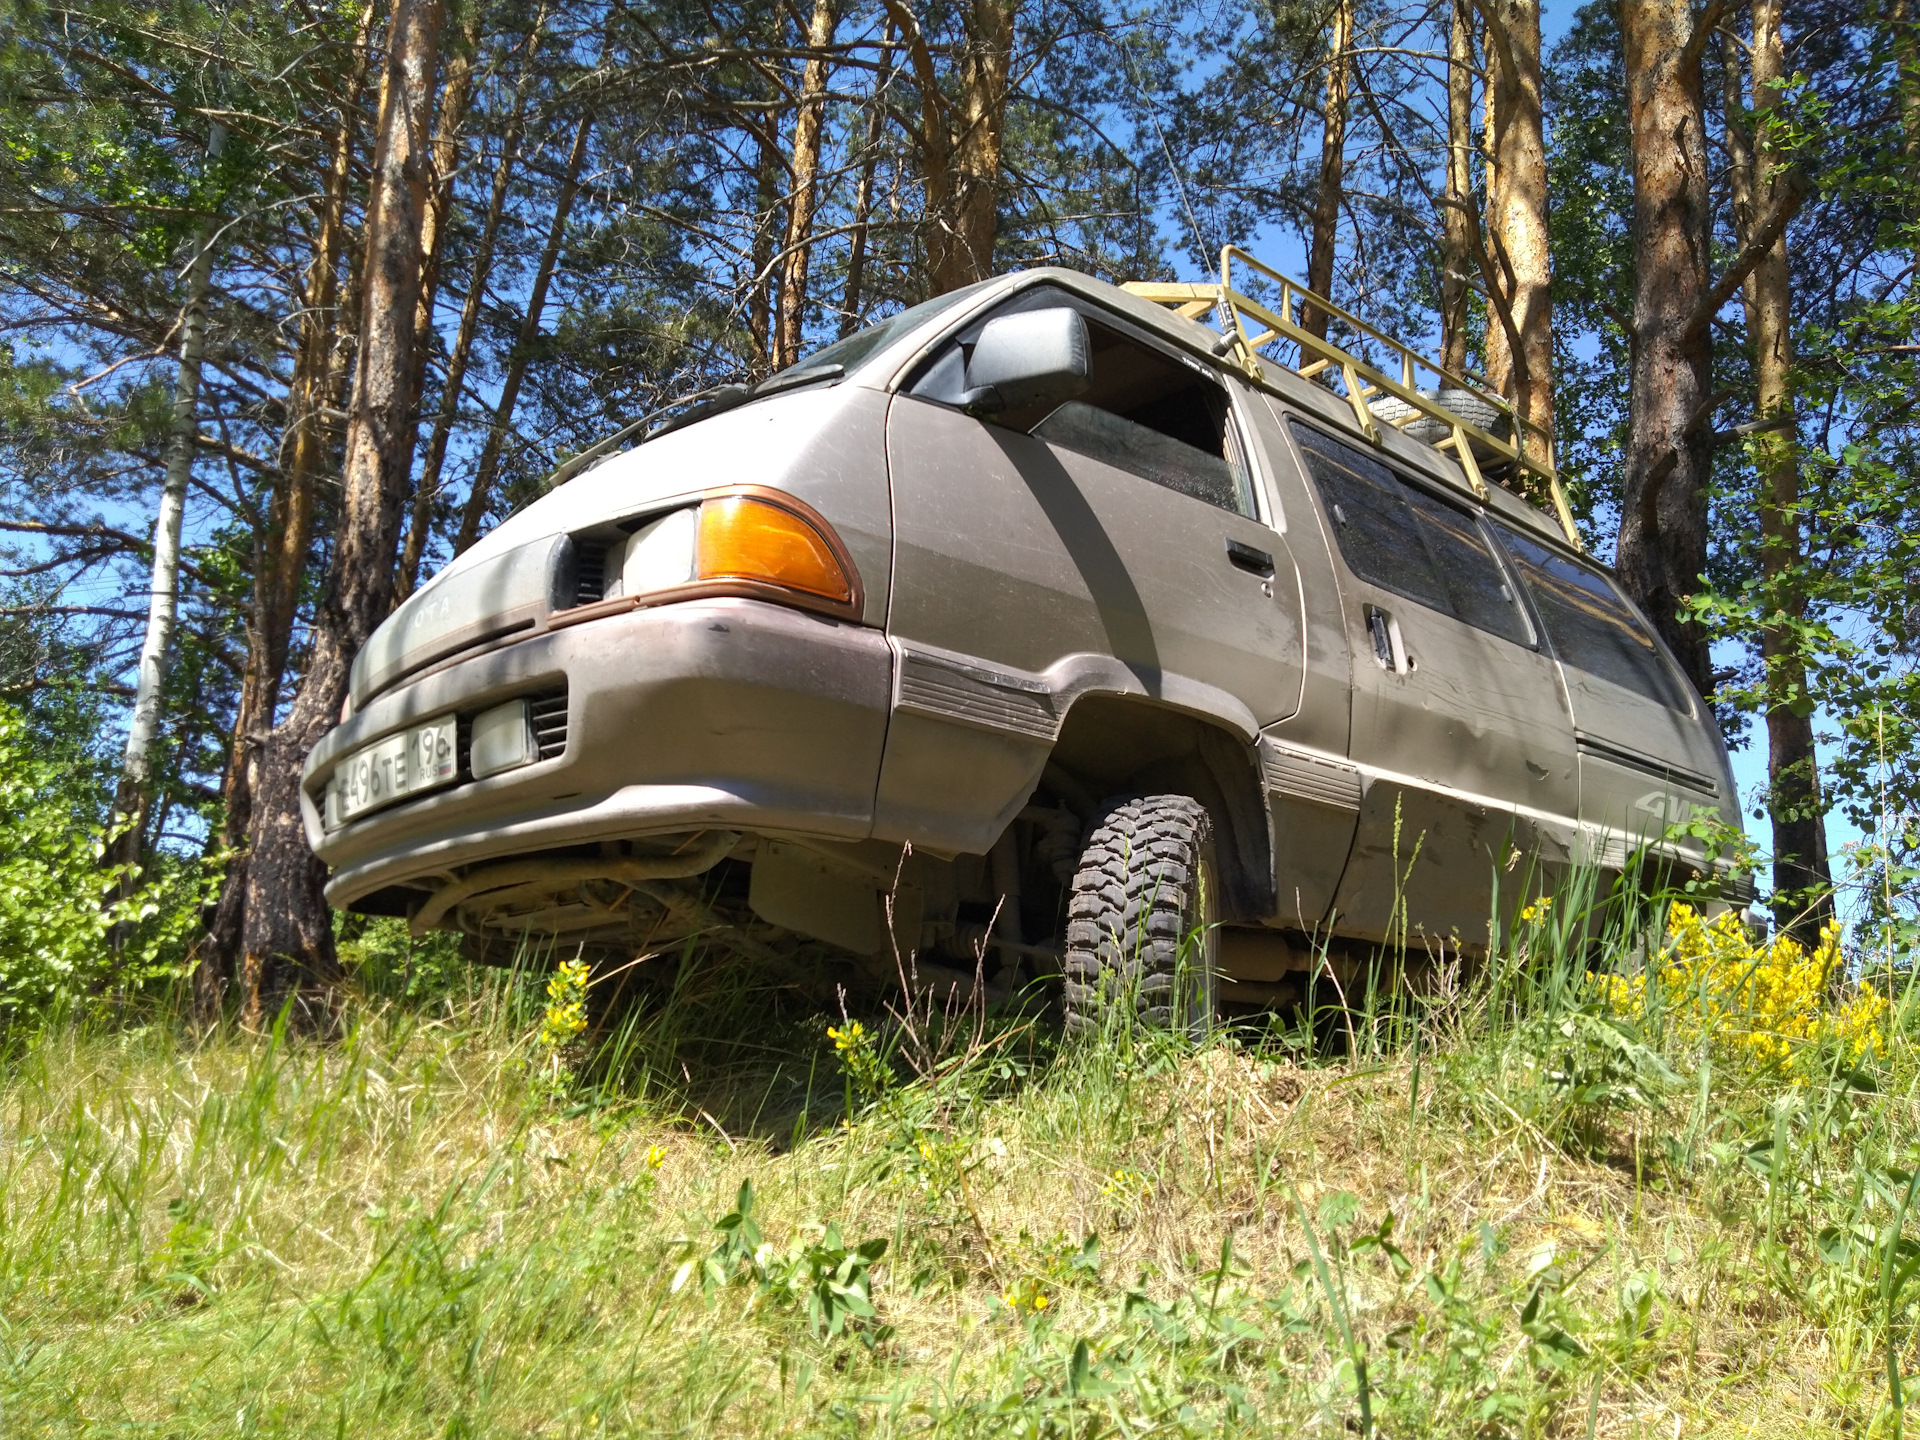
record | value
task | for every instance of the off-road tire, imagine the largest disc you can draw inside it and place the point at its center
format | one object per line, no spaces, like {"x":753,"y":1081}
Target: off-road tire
{"x":1141,"y":931}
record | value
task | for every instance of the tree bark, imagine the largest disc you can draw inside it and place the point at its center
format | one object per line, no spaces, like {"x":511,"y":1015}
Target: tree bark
{"x":1333,"y":165}
{"x":427,"y":490}
{"x":280,"y":553}
{"x":163,"y":595}
{"x":1802,"y":872}
{"x":288,"y":951}
{"x":807,"y":126}
{"x":481,"y":495}
{"x":1456,"y":251}
{"x":852,"y":296}
{"x":1517,"y":211}
{"x":762,"y":300}
{"x":959,"y":147}
{"x":1663,"y":528}
{"x":455,"y":91}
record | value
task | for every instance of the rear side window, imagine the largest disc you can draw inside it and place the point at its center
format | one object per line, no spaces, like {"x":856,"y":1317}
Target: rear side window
{"x":1145,"y":412}
{"x":1591,"y":627}
{"x":1414,"y":544}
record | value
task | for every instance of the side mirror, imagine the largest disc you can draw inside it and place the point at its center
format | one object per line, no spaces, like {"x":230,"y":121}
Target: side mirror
{"x":1039,"y":358}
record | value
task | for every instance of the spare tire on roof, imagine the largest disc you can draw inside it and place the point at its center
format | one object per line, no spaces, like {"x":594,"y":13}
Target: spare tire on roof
{"x":1474,"y":409}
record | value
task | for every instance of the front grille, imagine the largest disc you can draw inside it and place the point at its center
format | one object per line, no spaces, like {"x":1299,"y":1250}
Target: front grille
{"x":548,"y":715}
{"x":591,"y":559}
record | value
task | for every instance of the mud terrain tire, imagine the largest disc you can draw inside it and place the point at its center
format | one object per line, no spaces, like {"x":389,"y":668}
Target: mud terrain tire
{"x":1141,"y":929}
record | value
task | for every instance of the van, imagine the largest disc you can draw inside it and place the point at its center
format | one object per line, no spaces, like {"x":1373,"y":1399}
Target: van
{"x":1030,"y":634}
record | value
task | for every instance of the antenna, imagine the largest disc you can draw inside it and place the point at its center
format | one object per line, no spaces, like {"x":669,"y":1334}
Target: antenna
{"x":1153,"y":114}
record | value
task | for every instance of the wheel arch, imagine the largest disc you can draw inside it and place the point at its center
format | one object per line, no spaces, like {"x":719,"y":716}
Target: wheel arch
{"x":1110,"y":744}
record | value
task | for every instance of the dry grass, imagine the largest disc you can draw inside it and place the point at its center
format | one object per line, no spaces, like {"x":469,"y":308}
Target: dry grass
{"x":412,"y":1231}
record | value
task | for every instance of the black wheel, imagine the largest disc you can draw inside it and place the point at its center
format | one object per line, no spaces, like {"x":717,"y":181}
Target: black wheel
{"x":1141,"y":923}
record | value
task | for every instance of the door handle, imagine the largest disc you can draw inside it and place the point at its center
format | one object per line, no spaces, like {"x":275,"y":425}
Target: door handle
{"x":1389,"y":649}
{"x":1246,"y":557}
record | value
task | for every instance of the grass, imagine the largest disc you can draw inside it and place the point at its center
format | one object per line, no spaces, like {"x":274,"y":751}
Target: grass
{"x":1510,"y":1210}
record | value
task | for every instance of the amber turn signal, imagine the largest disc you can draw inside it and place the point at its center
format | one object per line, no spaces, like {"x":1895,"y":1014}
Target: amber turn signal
{"x":742,"y":538}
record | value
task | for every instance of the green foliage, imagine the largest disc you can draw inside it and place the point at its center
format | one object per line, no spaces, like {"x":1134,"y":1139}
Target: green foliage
{"x":66,"y":931}
{"x":830,"y":1281}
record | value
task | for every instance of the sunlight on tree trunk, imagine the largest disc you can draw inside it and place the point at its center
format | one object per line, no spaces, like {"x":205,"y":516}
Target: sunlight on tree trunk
{"x":288,"y":937}
{"x":427,"y":490}
{"x":1663,"y":531}
{"x":281,"y":551}
{"x":959,"y":147}
{"x":1456,"y":251}
{"x":1333,"y":160}
{"x":163,"y":595}
{"x":1517,"y":210}
{"x":1802,"y":874}
{"x":807,"y":127}
{"x":851,"y":296}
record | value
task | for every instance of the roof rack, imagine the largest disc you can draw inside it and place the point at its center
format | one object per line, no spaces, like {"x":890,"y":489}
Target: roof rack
{"x":1529,"y":455}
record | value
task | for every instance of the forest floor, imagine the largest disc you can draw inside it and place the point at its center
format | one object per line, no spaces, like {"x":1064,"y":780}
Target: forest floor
{"x":1510,"y":1219}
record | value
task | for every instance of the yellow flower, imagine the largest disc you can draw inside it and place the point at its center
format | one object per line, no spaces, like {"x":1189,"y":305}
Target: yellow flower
{"x":1536,"y":912}
{"x":1766,"y":1003}
{"x":566,"y":1013}
{"x":849,"y":1038}
{"x":656,"y":1156}
{"x":1025,"y":1297}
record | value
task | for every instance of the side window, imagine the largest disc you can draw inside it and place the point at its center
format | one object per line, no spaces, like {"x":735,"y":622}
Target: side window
{"x":1145,"y":412}
{"x":1414,"y":544}
{"x":1591,"y":628}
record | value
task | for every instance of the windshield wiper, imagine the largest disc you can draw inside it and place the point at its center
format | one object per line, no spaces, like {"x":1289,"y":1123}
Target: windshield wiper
{"x":801,"y":375}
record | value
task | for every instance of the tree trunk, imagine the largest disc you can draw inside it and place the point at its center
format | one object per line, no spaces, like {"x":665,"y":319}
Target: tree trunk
{"x":481,"y":495}
{"x":1663,"y":524}
{"x":163,"y":596}
{"x":1802,"y":873}
{"x":1906,"y":51}
{"x":428,"y":488}
{"x":852,"y":296}
{"x":761,"y":297}
{"x":281,"y":552}
{"x":1333,"y":166}
{"x":455,"y":91}
{"x":964,"y":253}
{"x":288,"y":950}
{"x":1456,"y":251}
{"x":1517,"y":212}
{"x":959,"y":149}
{"x":807,"y":126}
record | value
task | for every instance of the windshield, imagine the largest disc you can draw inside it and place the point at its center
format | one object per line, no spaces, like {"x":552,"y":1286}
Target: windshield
{"x":855,"y":348}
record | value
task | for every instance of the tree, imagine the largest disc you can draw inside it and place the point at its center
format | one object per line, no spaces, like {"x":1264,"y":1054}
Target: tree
{"x":1662,"y":550}
{"x":1760,"y":179}
{"x":1517,"y":214}
{"x":288,"y":935}
{"x":958,"y":142}
{"x":130,"y":802}
{"x":1333,"y":163}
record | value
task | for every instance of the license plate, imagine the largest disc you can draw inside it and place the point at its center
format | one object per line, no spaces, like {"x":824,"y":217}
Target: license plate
{"x":416,"y":759}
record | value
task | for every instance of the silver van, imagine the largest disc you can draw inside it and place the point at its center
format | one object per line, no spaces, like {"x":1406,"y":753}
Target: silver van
{"x":1027,"y":632}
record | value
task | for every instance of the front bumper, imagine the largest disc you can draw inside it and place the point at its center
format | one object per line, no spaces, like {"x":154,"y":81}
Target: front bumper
{"x":736,"y":714}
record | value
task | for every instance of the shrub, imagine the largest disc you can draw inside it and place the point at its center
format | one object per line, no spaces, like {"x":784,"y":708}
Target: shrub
{"x":1764,"y":1003}
{"x":60,"y":923}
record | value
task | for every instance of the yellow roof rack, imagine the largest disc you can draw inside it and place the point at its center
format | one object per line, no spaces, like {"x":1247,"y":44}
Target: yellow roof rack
{"x":1530,"y":451}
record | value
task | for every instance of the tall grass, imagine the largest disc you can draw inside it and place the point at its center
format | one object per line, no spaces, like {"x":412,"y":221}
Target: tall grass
{"x":741,"y":1205}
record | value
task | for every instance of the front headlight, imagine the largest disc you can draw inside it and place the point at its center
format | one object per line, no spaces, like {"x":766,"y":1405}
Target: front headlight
{"x":658,"y":556}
